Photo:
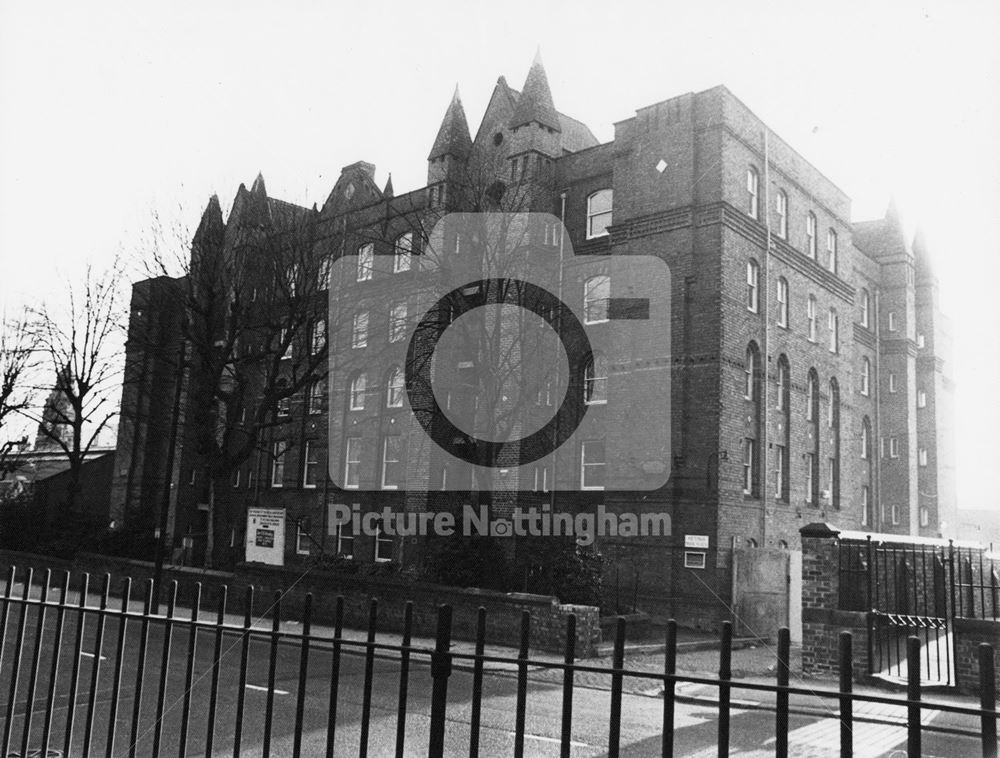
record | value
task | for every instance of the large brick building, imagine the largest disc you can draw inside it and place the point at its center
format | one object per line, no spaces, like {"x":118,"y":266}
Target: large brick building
{"x":809,"y":369}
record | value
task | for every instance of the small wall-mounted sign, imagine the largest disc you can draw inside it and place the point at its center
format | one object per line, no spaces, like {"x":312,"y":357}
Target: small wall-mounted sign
{"x":694,"y":560}
{"x":698,"y":541}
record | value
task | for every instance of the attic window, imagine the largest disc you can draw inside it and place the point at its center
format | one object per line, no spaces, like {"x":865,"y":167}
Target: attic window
{"x":498,"y":139}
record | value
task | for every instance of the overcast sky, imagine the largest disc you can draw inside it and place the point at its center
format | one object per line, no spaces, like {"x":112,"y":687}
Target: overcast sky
{"x":111,"y":111}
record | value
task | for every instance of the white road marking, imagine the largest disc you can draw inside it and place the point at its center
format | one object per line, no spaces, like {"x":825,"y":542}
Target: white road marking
{"x":264,"y":689}
{"x":556,"y":740}
{"x":91,"y":655}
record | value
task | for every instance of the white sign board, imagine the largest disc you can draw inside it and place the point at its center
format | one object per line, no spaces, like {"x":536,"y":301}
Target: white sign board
{"x":698,"y":541}
{"x":266,"y":535}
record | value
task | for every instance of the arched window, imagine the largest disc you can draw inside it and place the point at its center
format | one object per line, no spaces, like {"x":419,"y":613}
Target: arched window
{"x":596,"y":293}
{"x":811,"y":235}
{"x":866,"y":376}
{"x":812,"y":455}
{"x":403,"y":253}
{"x":781,"y":206}
{"x":781,"y":402}
{"x":599,"y":213}
{"x":866,"y":439}
{"x":866,"y":305}
{"x":783,"y":437}
{"x":359,"y":386}
{"x":753,"y":285}
{"x":595,"y":380}
{"x":752,"y":369}
{"x":751,"y":450}
{"x":753,"y":192}
{"x":394,"y":388}
{"x":782,"y":298}
{"x":833,"y":461}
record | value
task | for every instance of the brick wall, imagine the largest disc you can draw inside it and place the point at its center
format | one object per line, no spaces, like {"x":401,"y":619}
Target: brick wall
{"x":503,"y":611}
{"x":969,"y":634}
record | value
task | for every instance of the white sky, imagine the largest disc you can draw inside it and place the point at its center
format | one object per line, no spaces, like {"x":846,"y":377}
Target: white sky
{"x":109,"y":111}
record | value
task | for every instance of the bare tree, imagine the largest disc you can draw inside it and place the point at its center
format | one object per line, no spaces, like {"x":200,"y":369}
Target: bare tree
{"x":81,"y":346}
{"x":18,"y":345}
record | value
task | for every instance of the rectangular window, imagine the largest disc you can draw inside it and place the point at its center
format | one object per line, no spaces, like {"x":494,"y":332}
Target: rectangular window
{"x":344,"y":534}
{"x":383,"y":545}
{"x":284,"y":407}
{"x":318,"y":341}
{"x":894,"y":514}
{"x":811,"y":316}
{"x":278,"y":463}
{"x":920,"y":342}
{"x":892,"y":382}
{"x":866,"y":506}
{"x":592,"y":465}
{"x":352,"y":463}
{"x":694,"y":560}
{"x":404,"y":253}
{"x":392,"y":466}
{"x":831,"y":250}
{"x":892,"y":321}
{"x":811,"y":236}
{"x":596,"y":294}
{"x":317,"y":396}
{"x":748,"y":453}
{"x":780,"y":467}
{"x":753,"y":193}
{"x":925,"y":515}
{"x":893,"y":447}
{"x":310,"y":465}
{"x":397,"y":322}
{"x":286,"y":340}
{"x":302,"y":537}
{"x":922,"y":456}
{"x":323,"y":274}
{"x":782,"y":302}
{"x":359,"y":332}
{"x":831,"y":476}
{"x":236,"y":478}
{"x":833,"y":327}
{"x":541,"y":479}
{"x":366,"y":261}
{"x":810,"y":476}
{"x":753,"y":278}
{"x":599,"y":208}
{"x":781,"y":206}
{"x":921,"y":399}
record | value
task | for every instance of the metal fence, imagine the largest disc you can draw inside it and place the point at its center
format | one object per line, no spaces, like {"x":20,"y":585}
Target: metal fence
{"x":176,"y":683}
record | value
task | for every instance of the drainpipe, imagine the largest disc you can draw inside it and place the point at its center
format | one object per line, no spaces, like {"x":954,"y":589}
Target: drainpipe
{"x":559,"y":294}
{"x":765,"y":306}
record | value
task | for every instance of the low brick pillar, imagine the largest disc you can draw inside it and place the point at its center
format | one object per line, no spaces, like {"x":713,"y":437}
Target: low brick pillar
{"x":969,"y":634}
{"x":822,"y":620}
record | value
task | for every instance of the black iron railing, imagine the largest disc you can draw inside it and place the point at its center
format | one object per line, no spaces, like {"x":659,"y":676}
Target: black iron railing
{"x":187,"y":674}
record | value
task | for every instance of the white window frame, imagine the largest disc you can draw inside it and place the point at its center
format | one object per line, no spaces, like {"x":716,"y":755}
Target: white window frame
{"x":781,"y":206}
{"x":833,"y":327}
{"x":753,"y":193}
{"x":584,"y":465}
{"x":318,"y":339}
{"x":893,"y":447}
{"x":892,"y":381}
{"x":283,"y":335}
{"x":599,"y":220}
{"x":924,"y":515}
{"x":381,"y":539}
{"x":402,"y":259}
{"x":749,"y":374}
{"x":323,"y":273}
{"x":894,"y":515}
{"x":278,"y":450}
{"x":341,"y":538}
{"x":812,"y":392}
{"x":866,"y":505}
{"x":395,"y":389}
{"x":811,"y":317}
{"x":921,"y":342}
{"x":866,"y":308}
{"x":782,"y":298}
{"x":748,"y":455}
{"x":352,"y":462}
{"x":310,"y":465}
{"x":541,"y":479}
{"x":922,"y":456}
{"x":866,"y":440}
{"x":595,"y":386}
{"x":359,"y":330}
{"x":397,"y":321}
{"x":366,"y":262}
{"x":810,"y":465}
{"x":892,"y":321}
{"x":596,"y":297}
{"x":780,"y":451}
{"x":386,"y":461}
{"x":811,"y":235}
{"x":357,"y":392}
{"x":753,"y":286}
{"x":921,"y":398}
{"x":317,"y":394}
{"x":831,"y":250}
{"x":300,"y":535}
{"x":866,"y":376}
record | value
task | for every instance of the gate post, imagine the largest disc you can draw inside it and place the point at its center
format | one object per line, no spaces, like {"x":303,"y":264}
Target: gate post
{"x":440,"y":671}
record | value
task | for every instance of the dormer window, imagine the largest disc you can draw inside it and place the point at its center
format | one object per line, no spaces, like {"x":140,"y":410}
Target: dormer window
{"x":599,"y":213}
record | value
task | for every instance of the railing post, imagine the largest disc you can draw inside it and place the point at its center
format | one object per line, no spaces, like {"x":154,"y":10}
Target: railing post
{"x":913,"y":695}
{"x":781,"y":698}
{"x":846,"y":696}
{"x":521,"y":704}
{"x":988,"y":700}
{"x":617,"y":664}
{"x":870,"y":646}
{"x":669,"y":686}
{"x":569,"y":658}
{"x":725,"y":672}
{"x":440,"y":671}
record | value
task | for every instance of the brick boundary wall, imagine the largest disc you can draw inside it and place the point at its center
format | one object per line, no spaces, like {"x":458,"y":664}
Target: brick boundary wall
{"x":822,"y":623}
{"x":969,"y":633}
{"x":503,"y":610}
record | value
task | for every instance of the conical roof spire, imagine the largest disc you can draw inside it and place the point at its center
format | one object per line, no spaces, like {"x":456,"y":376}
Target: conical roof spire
{"x":535,"y":103}
{"x":453,"y":137}
{"x":388,"y":191}
{"x":258,"y":184}
{"x":211,"y":218}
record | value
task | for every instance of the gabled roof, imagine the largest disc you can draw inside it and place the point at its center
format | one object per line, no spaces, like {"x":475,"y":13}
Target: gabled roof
{"x":453,"y":137}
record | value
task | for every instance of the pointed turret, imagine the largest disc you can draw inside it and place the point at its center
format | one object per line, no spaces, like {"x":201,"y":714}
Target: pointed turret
{"x":258,"y":187}
{"x":388,"y":191}
{"x":535,"y":102}
{"x":453,"y":137}
{"x":211,"y":219}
